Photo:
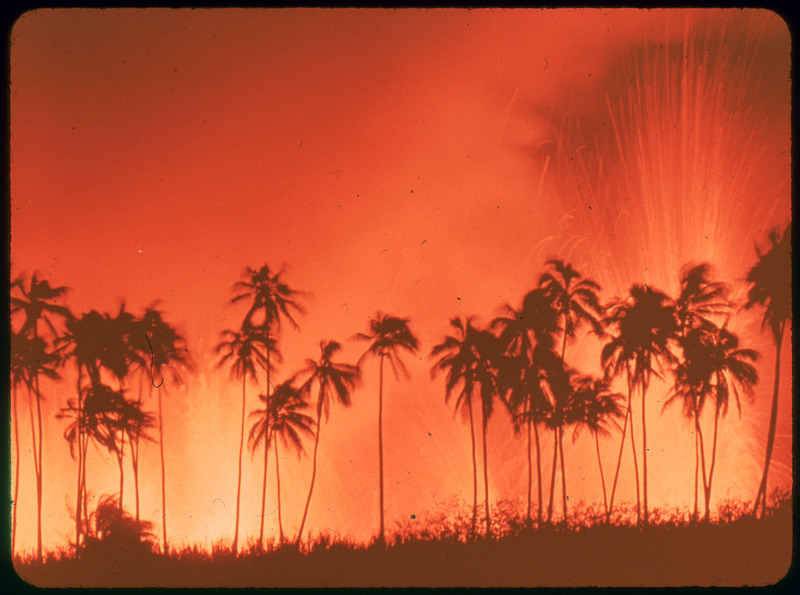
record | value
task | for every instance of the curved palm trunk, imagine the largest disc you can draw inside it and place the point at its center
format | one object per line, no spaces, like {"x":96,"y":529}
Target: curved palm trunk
{"x":313,"y":473}
{"x":602,"y":479}
{"x":80,"y":465}
{"x":553,"y":475}
{"x":538,"y":475}
{"x":696,"y":472}
{"x":239,"y":474}
{"x":135,"y":467}
{"x":474,"y":469}
{"x":16,"y":470}
{"x":563,"y":476}
{"x":484,"y":421}
{"x":120,"y":462}
{"x":711,"y":467}
{"x":619,"y":459}
{"x":761,"y":495}
{"x":380,"y":451}
{"x":278,"y":486}
{"x":266,"y":447}
{"x":38,"y":456}
{"x":699,"y":433}
{"x":635,"y":469}
{"x":163,"y":478}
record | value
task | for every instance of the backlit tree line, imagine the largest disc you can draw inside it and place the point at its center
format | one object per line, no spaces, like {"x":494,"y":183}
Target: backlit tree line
{"x":519,"y":361}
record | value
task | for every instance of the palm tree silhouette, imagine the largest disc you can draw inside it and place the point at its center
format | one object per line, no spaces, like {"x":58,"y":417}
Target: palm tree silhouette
{"x":470,"y":359}
{"x":34,"y":300}
{"x":388,"y":334}
{"x":152,"y":336}
{"x":29,"y":359}
{"x":241,"y":348}
{"x":528,"y":337}
{"x":334,"y":381}
{"x":577,"y":301}
{"x":274,"y":300}
{"x":771,"y":287}
{"x":595,"y":407}
{"x":645,"y":324}
{"x":287,"y":421}
{"x":713,"y":365}
{"x":699,"y":300}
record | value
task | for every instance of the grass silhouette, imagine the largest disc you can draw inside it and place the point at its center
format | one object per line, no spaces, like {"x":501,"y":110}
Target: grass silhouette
{"x":436,"y":550}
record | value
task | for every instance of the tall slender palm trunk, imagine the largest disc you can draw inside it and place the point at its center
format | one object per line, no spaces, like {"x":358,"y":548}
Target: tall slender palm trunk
{"x":644,"y":450}
{"x":696,"y":472}
{"x":474,"y":469}
{"x":39,"y":459}
{"x":484,"y":421}
{"x":530,"y":468}
{"x":80,"y":465}
{"x":135,"y":468}
{"x":313,"y":472}
{"x":619,"y":460}
{"x":553,"y":475}
{"x":163,"y":473}
{"x":278,"y":489}
{"x":600,"y":467}
{"x":761,"y":495}
{"x":36,"y":449}
{"x":239,"y":473}
{"x":538,"y":475}
{"x":635,"y":469}
{"x":563,"y":476}
{"x":711,"y":467}
{"x":120,"y":463}
{"x":15,"y":503}
{"x":381,"y":538}
{"x":266,"y":446}
{"x":699,"y":433}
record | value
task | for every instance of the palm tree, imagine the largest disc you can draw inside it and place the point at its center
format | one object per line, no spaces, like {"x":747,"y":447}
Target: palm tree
{"x":241,"y":348}
{"x":334,"y":381}
{"x":713,"y":365}
{"x":528,"y":337}
{"x":35,"y":302}
{"x":388,"y":334}
{"x":595,"y":407}
{"x":645,"y":324}
{"x":286,"y":421}
{"x":274,"y":300}
{"x":166,"y":347}
{"x":771,"y":287}
{"x":699,"y":300}
{"x":469,"y":360}
{"x":29,"y":359}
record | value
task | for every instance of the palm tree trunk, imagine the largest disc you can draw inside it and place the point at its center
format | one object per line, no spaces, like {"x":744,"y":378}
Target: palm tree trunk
{"x":761,"y":496}
{"x":163,"y":478}
{"x":39,"y":465}
{"x":619,"y":459}
{"x":474,"y":467}
{"x":266,"y":447}
{"x":635,"y":469}
{"x":538,"y":475}
{"x":644,"y":448}
{"x":313,"y":472}
{"x":553,"y":476}
{"x":602,"y":479}
{"x":696,"y":472}
{"x":278,"y":487}
{"x":530,"y":469}
{"x":37,"y":474}
{"x":80,"y":465}
{"x":563,"y":475}
{"x":15,"y":503}
{"x":239,"y":475}
{"x":120,"y":463}
{"x":484,"y":421}
{"x":699,"y":433}
{"x":713,"y":460}
{"x":380,"y":450}
{"x":135,"y":467}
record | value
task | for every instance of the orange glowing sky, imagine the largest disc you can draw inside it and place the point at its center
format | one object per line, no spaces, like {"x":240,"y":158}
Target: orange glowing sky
{"x":424,"y":163}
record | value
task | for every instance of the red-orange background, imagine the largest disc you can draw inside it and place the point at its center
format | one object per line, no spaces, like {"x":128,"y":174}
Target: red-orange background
{"x":393,"y":160}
